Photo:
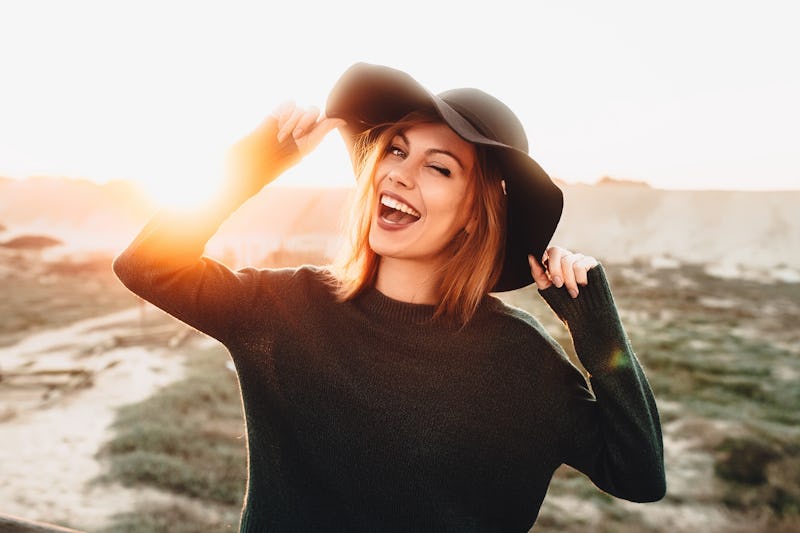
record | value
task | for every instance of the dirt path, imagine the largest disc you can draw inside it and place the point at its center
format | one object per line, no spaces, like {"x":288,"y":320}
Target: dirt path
{"x":58,"y":396}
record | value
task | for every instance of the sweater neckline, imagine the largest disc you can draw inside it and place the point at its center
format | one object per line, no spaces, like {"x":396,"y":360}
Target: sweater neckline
{"x":387,"y":309}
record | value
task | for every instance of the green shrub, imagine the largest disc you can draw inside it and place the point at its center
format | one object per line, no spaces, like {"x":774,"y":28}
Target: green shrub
{"x":171,"y":518}
{"x":744,"y":460}
{"x":188,"y":438}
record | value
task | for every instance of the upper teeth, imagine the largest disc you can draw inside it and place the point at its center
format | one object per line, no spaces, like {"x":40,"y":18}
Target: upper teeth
{"x":388,"y":201}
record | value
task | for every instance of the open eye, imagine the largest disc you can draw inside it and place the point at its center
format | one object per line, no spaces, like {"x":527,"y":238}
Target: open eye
{"x":396,"y":151}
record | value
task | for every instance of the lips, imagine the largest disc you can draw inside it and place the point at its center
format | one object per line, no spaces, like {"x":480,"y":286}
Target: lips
{"x":395,"y":213}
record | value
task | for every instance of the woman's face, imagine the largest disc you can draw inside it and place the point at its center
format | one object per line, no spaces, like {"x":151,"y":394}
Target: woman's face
{"x":423,"y":185}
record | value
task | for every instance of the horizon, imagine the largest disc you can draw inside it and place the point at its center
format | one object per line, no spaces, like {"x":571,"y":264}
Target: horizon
{"x":601,"y":90}
{"x":603,"y":181}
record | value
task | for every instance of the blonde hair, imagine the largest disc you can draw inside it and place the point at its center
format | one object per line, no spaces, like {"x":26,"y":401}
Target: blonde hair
{"x":477,"y":257}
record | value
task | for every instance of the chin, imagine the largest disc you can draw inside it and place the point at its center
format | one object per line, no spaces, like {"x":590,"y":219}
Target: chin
{"x":380,"y":246}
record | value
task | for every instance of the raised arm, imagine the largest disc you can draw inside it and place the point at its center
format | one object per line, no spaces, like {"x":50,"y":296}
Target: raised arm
{"x":616,"y":437}
{"x":165,"y":264}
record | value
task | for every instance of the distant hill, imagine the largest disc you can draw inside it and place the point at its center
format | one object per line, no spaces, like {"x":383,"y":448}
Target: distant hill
{"x":614,"y":220}
{"x":88,"y":216}
{"x":81,"y":213}
{"x":751,"y":229}
{"x":30,"y":242}
{"x":608,"y":180}
{"x":68,"y":201}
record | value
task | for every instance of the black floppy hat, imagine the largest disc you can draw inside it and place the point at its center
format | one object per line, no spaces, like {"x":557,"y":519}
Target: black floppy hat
{"x":369,"y":95}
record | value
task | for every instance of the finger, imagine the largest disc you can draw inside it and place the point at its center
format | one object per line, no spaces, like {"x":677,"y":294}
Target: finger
{"x":323,"y":127}
{"x":286,"y":127}
{"x":553,"y":255}
{"x":282,"y":114}
{"x":306,"y":122}
{"x":539,"y":274}
{"x":568,"y":271}
{"x":283,"y":111}
{"x":582,"y":268}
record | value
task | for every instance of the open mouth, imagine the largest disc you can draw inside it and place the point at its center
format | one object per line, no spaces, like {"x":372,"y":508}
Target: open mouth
{"x":394,"y":211}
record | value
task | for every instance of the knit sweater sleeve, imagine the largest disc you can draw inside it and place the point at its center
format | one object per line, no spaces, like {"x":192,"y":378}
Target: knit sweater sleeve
{"x":165,"y":264}
{"x":616,"y":436}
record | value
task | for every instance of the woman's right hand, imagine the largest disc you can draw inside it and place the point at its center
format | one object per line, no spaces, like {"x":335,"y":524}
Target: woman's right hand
{"x":304,"y":125}
{"x":278,"y":143}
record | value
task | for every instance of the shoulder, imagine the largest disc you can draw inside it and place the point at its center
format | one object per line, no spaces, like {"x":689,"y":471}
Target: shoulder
{"x":496,"y":310}
{"x":527,"y":350}
{"x":305,"y":278}
{"x":277,"y":296}
{"x":269,"y":289}
{"x":518,"y":326}
{"x":303,"y":274}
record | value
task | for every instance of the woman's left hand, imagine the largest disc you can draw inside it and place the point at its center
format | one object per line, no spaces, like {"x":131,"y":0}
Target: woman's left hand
{"x":562,"y":268}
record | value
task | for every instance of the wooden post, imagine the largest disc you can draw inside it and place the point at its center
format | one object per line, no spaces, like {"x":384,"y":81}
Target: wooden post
{"x":13,"y":524}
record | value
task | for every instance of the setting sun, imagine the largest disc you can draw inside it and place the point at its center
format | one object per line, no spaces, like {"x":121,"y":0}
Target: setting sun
{"x":186,"y":186}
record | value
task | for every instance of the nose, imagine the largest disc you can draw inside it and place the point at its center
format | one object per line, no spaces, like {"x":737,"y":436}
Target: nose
{"x":397,"y":180}
{"x":402,"y":176}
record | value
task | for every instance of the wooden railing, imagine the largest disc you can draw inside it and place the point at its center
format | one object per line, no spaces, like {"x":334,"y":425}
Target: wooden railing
{"x":13,"y":524}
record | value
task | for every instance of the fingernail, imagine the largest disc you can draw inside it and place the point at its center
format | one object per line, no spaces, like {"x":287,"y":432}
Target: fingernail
{"x":281,"y":136}
{"x":297,"y":132}
{"x":573,"y":293}
{"x":558,"y":281}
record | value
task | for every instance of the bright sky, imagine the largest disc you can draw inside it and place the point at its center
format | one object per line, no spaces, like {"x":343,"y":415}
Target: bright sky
{"x":682,"y":94}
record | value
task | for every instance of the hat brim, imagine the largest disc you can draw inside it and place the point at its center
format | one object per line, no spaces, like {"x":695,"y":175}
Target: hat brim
{"x":370,"y":95}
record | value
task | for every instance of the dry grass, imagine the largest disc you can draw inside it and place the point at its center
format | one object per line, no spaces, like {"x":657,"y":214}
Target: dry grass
{"x":39,"y":295}
{"x":188,"y":439}
{"x":722,"y":355}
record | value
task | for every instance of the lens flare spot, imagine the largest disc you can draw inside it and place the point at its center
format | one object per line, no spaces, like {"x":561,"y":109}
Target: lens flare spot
{"x":618,"y":360}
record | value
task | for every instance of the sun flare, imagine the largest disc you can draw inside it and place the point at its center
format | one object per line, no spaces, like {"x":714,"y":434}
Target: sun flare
{"x":181,"y":193}
{"x":183,"y":185}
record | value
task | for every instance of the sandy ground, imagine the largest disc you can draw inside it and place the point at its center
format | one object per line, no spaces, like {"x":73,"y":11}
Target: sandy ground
{"x":47,"y":461}
{"x":690,"y":474}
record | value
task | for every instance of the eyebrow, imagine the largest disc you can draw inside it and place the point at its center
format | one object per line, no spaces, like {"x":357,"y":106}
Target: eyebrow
{"x":430,"y":151}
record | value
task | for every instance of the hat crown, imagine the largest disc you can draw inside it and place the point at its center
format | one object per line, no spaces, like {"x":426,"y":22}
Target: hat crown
{"x":491,"y":117}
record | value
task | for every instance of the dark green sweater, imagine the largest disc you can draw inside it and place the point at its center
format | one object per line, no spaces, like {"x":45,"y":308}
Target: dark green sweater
{"x":370,"y":416}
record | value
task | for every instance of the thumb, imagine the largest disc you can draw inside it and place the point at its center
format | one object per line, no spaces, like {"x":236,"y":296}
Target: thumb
{"x":540,"y":276}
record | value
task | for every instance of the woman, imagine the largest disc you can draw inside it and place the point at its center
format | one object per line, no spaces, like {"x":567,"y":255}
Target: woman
{"x":393,"y":393}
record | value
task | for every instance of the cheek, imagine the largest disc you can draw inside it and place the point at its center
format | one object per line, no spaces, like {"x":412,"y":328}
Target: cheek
{"x":452,"y":210}
{"x":382,"y":168}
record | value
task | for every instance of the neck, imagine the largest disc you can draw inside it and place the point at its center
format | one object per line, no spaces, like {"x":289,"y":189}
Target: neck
{"x":408,"y":281}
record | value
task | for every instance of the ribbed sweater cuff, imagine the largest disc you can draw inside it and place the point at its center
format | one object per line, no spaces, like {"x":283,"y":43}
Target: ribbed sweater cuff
{"x":593,"y":297}
{"x":594,"y":323}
